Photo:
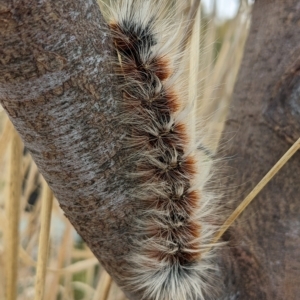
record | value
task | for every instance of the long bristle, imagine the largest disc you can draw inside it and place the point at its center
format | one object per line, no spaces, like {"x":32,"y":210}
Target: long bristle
{"x":167,"y":259}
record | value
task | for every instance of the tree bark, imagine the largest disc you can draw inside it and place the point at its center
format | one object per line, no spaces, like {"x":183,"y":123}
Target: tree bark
{"x":263,"y":122}
{"x":56,"y":85}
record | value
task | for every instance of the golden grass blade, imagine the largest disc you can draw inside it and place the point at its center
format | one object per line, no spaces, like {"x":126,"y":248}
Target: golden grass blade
{"x":76,"y":267}
{"x":13,"y":217}
{"x":47,"y":200}
{"x":54,"y":287}
{"x":5,"y":137}
{"x":66,"y":277}
{"x":190,"y":25}
{"x":207,"y":55}
{"x":83,"y":287}
{"x":26,"y":258}
{"x":2,"y":276}
{"x":2,"y":222}
{"x":103,"y":287}
{"x":31,"y":184}
{"x":90,"y":275}
{"x":194,"y":65}
{"x":30,"y":231}
{"x":82,"y":254}
{"x":115,"y":293}
{"x":257,"y":189}
{"x":216,"y":78}
{"x":221,"y":106}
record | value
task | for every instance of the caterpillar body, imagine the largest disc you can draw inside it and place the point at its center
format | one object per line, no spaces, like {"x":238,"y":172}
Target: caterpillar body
{"x":169,"y":258}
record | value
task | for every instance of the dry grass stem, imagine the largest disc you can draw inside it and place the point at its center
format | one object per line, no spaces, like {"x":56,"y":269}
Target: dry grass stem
{"x":26,"y":258}
{"x":13,"y":217}
{"x":5,"y":137}
{"x":77,"y":266}
{"x":54,"y":287}
{"x":194,"y":65}
{"x":103,"y":287}
{"x":47,"y":199}
{"x":257,"y":189}
{"x":191,"y":19}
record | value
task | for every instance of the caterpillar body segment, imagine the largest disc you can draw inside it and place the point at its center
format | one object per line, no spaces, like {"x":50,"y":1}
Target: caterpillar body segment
{"x":168,"y":258}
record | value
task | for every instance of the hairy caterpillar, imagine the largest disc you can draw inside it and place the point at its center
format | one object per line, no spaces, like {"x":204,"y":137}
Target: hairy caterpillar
{"x":169,"y":258}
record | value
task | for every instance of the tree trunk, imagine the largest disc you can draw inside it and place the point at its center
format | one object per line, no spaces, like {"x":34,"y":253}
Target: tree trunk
{"x":263,"y":122}
{"x":57,"y":87}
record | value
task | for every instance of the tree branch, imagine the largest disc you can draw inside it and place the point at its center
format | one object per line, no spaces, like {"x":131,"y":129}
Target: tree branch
{"x":265,"y":119}
{"x":56,"y":84}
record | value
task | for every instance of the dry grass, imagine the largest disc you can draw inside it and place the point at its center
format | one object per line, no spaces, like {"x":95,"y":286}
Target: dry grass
{"x":257,"y":189}
{"x":41,"y":257}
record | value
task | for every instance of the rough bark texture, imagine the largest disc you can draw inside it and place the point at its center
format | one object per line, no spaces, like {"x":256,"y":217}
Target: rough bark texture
{"x":57,"y":87}
{"x":263,"y":122}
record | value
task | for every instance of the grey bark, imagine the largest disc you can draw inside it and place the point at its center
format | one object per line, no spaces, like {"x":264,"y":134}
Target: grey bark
{"x":57,"y":87}
{"x":263,"y":253}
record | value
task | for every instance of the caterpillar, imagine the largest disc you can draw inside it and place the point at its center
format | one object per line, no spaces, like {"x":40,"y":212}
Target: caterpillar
{"x":169,"y":258}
